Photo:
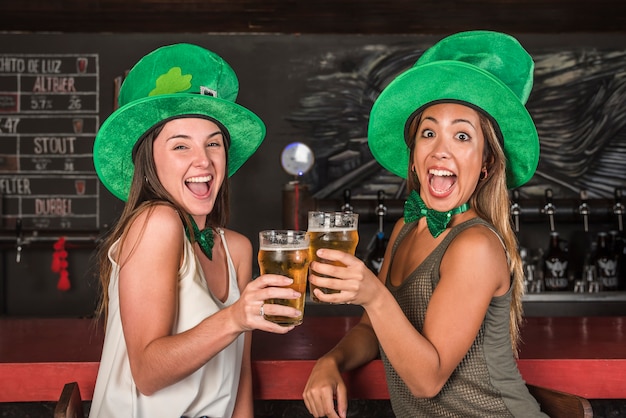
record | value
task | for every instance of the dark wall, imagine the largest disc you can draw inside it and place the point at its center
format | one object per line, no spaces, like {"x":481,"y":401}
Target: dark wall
{"x":278,"y":50}
{"x":273,"y":71}
{"x":325,"y":16}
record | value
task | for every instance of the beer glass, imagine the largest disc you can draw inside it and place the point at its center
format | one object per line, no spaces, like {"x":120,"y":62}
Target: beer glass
{"x":335,"y":230}
{"x":285,"y":252}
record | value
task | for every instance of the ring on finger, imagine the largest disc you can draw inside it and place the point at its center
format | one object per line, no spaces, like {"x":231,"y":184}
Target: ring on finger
{"x":261,"y":310}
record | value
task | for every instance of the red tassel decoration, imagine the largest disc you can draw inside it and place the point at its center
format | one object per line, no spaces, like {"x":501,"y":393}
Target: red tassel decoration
{"x":59,"y":265}
{"x":64,"y":281}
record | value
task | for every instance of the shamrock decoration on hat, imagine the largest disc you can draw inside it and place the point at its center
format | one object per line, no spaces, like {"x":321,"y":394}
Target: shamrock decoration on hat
{"x":180,"y":80}
{"x":486,"y":70}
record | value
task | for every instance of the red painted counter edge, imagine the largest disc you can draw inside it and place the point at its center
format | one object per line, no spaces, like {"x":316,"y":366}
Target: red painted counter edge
{"x":278,"y":379}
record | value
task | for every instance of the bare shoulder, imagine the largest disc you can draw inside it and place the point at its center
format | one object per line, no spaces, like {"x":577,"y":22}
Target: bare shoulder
{"x":156,"y":232}
{"x":237,"y":242}
{"x":480,"y":237}
{"x":477,"y":248}
{"x":160,"y":214}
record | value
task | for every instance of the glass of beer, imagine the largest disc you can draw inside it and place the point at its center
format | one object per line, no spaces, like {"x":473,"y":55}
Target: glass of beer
{"x":335,"y":230}
{"x":285,"y":252}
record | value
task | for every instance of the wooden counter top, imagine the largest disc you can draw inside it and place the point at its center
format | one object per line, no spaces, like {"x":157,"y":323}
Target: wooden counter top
{"x":581,"y":355}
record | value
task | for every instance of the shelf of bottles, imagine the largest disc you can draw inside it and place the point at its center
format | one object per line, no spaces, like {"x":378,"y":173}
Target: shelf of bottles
{"x":572,"y":248}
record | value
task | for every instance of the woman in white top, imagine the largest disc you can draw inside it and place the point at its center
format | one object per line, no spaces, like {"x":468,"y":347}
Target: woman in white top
{"x":177,"y":292}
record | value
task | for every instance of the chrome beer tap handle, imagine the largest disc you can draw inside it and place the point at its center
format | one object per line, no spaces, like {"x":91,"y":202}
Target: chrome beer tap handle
{"x":618,"y":209}
{"x":549,"y":209}
{"x":516,"y":210}
{"x":347,"y":206}
{"x":381,"y":210}
{"x":18,"y":240}
{"x":583,"y":209}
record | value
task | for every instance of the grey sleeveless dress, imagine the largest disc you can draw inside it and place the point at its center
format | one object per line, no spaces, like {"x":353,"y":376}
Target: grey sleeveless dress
{"x":487,"y":382}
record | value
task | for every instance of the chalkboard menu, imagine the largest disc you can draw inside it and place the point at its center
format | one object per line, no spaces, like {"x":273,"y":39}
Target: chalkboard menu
{"x":49,"y":116}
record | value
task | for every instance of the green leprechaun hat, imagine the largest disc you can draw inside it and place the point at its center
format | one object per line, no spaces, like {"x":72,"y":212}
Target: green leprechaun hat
{"x":173,"y":81}
{"x":487,"y":70}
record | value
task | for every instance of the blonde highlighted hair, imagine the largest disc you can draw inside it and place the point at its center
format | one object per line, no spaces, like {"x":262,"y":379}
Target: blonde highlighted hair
{"x":491,"y":202}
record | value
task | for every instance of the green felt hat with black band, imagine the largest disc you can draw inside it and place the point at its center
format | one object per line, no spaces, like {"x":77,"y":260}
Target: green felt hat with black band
{"x":173,"y":81}
{"x":487,"y":70}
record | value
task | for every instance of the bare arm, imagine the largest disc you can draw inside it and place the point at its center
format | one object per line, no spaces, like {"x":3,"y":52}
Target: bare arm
{"x":358,"y":347}
{"x":241,"y":252}
{"x":473,"y":270}
{"x":148,"y":301}
{"x":244,"y":406}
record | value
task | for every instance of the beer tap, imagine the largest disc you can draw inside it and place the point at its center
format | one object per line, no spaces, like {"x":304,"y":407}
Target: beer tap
{"x":549,"y":209}
{"x":516,"y":210}
{"x":381,"y":211}
{"x":18,"y":239}
{"x":374,"y":258}
{"x":347,"y":206}
{"x":583,"y":209}
{"x":618,"y":209}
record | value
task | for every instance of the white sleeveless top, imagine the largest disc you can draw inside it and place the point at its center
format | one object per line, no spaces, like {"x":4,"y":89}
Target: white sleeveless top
{"x":210,"y":391}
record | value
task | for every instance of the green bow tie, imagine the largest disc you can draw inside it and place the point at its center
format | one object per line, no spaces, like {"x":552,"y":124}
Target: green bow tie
{"x":415,"y":208}
{"x":204,"y":238}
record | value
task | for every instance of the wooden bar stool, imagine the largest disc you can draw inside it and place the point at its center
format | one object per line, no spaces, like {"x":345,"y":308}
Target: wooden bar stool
{"x":70,"y":404}
{"x":560,"y":404}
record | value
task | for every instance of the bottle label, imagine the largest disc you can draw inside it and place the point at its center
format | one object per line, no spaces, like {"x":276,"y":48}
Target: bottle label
{"x":556,"y":268}
{"x":555,"y":277}
{"x":607,"y":272}
{"x":556,"y":282}
{"x":609,"y":282}
{"x":607,"y":267}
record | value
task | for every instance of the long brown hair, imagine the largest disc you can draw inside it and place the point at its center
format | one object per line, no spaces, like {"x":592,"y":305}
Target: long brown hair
{"x":146,"y":192}
{"x":491,"y":202}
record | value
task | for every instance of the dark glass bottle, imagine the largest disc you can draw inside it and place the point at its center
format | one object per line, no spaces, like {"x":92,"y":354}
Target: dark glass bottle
{"x":374,"y":259}
{"x":605,"y":262}
{"x":555,"y":269}
{"x":619,"y":251}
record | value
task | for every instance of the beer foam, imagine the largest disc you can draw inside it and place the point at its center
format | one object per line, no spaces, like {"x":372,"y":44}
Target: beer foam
{"x":284,"y":247}
{"x":331,"y":229}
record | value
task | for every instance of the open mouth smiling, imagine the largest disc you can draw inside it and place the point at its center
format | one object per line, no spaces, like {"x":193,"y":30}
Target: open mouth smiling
{"x":441,"y":181}
{"x":199,"y":186}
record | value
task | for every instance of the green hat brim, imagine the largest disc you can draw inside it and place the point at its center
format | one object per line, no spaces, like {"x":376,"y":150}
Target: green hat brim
{"x":120,"y":132}
{"x":459,"y":82}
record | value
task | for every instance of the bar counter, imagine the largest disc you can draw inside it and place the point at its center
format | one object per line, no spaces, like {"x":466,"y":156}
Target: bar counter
{"x":581,"y":355}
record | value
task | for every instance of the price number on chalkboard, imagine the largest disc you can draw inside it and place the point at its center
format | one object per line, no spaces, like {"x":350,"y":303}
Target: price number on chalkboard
{"x":40,"y":103}
{"x":75,"y":103}
{"x":9,"y":125}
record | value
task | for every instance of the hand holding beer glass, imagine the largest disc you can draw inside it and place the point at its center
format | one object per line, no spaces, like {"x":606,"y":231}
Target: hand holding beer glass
{"x":285,"y":252}
{"x":334,"y":230}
